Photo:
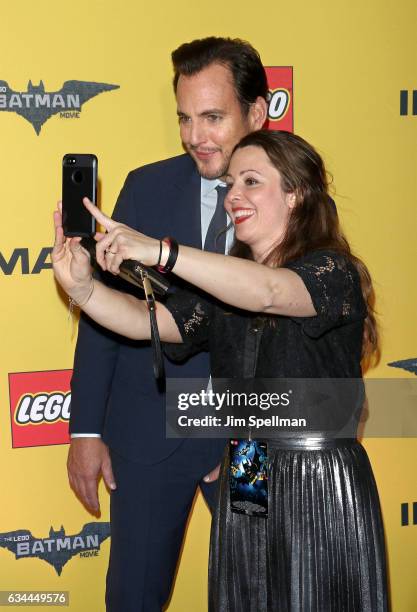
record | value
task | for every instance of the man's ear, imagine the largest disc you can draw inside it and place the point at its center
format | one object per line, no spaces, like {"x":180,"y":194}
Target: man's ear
{"x":257,"y":113}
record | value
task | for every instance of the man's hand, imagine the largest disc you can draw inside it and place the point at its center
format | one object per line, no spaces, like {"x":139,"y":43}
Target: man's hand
{"x":214,"y":474}
{"x":87,"y":459}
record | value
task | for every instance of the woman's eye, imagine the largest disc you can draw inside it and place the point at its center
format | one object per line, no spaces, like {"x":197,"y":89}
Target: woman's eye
{"x":250,"y":181}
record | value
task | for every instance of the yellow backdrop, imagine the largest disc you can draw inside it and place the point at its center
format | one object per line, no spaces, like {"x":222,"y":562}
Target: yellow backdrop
{"x":350,"y":61}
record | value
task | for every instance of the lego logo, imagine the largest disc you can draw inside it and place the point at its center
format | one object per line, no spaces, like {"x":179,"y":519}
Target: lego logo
{"x":43,"y":407}
{"x":278,"y":104}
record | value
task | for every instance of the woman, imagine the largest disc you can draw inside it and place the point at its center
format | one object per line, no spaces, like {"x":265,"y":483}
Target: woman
{"x":292,"y":273}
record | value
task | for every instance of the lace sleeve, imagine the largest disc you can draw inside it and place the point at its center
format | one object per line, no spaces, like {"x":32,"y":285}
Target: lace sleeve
{"x":334,"y":286}
{"x":192,"y":314}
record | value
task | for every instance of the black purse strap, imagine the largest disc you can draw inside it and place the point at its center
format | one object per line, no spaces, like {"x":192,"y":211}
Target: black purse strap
{"x":158,"y":360}
{"x":149,"y":280}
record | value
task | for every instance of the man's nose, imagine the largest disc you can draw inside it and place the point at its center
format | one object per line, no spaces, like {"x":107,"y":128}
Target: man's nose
{"x":197,"y":134}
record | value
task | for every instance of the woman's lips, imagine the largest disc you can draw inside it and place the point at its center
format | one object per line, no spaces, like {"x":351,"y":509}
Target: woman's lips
{"x":242,"y":214}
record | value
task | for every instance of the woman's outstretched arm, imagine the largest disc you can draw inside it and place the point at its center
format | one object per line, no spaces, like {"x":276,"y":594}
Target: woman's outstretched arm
{"x":238,"y":282}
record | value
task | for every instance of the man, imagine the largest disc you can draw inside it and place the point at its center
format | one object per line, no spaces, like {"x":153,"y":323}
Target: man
{"x":118,"y":413}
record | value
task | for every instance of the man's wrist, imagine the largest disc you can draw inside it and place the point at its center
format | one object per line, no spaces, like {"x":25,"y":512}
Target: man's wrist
{"x":85,"y":435}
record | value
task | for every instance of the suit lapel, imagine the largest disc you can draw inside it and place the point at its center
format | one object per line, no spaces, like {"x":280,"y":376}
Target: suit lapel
{"x":187,"y":207}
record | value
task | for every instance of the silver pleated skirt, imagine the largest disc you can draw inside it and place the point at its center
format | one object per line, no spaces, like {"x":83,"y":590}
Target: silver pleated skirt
{"x":321,"y":549}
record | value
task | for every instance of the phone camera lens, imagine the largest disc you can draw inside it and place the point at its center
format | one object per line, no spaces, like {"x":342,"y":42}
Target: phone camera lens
{"x":77,"y":176}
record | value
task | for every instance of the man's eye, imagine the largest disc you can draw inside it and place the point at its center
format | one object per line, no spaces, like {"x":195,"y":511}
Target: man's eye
{"x":183,"y":119}
{"x":214,"y":118}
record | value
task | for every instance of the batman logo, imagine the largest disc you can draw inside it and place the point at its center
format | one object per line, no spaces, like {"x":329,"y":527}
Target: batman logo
{"x":59,"y":548}
{"x":37,"y":106}
{"x":409,"y":365}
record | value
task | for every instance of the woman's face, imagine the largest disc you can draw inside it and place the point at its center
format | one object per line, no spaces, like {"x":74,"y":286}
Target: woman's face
{"x":256,"y":204}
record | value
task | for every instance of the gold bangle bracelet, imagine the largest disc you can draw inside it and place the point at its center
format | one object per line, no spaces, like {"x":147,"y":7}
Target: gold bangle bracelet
{"x":72,"y":302}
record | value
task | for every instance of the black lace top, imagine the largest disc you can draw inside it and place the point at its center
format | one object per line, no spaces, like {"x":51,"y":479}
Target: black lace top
{"x":243,"y":344}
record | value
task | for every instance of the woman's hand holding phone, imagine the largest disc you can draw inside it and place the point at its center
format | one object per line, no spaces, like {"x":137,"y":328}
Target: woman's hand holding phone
{"x":71,"y":263}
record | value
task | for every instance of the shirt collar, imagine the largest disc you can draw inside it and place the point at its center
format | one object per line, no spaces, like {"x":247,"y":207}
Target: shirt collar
{"x":208,"y":185}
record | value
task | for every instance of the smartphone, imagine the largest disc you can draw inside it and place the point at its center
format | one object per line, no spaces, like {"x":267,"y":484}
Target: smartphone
{"x":79,"y":180}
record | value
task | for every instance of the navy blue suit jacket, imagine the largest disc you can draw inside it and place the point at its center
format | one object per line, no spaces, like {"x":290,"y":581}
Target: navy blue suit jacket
{"x":113,"y":388}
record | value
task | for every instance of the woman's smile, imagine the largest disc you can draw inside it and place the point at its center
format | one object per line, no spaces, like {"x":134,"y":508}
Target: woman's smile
{"x":239,"y":215}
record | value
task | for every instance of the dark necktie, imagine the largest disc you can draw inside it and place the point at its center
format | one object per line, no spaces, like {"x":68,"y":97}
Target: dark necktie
{"x":214,"y":241}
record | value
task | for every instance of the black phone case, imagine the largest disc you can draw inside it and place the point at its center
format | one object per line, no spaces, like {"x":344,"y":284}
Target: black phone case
{"x":79,"y":180}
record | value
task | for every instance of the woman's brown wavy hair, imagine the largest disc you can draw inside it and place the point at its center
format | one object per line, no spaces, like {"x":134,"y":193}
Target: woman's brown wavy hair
{"x":313,"y":223}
